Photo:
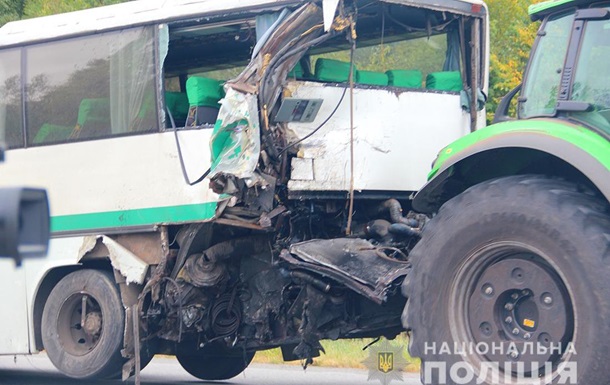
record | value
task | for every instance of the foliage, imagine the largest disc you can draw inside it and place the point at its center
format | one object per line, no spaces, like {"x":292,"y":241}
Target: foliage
{"x":47,"y":7}
{"x":341,"y":354}
{"x":512,"y":34}
{"x":11,"y":10}
{"x":22,"y":9}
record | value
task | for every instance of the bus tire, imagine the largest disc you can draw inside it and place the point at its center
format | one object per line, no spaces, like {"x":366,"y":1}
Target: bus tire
{"x":214,"y":362}
{"x":520,"y":259}
{"x":89,"y":350}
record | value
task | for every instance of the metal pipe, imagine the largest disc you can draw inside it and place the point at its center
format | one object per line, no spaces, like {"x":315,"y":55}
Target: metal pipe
{"x":395,"y":210}
{"x":313,"y":281}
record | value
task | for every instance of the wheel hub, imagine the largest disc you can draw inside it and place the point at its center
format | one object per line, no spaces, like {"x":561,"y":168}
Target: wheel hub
{"x":93,"y":323}
{"x":518,"y":310}
{"x":79,"y":324}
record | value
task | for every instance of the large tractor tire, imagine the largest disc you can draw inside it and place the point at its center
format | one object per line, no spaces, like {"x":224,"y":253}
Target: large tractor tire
{"x":214,"y":362}
{"x":511,"y":285}
{"x":92,"y":349}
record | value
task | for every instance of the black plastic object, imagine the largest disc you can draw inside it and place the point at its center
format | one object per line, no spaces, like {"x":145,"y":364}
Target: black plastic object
{"x":24,"y":222}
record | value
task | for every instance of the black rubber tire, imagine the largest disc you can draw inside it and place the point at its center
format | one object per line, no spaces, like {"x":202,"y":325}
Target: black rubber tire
{"x":104,"y":359}
{"x":214,"y":362}
{"x":571,"y":229}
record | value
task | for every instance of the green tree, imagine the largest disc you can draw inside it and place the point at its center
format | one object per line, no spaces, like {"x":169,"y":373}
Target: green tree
{"x":36,"y":8}
{"x":11,"y":10}
{"x":512,"y":34}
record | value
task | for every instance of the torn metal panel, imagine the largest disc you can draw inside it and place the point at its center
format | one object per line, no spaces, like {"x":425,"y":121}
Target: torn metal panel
{"x":235,"y":142}
{"x":471,"y":8}
{"x":132,"y":267}
{"x":147,"y":246}
{"x":330,"y":9}
{"x":275,"y":57}
{"x":356,"y":263}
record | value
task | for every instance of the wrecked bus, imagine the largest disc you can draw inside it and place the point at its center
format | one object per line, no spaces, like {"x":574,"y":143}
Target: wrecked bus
{"x":227,"y":176}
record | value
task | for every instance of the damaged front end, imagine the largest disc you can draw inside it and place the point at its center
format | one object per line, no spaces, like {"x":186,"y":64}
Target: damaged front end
{"x":271,"y":271}
{"x":245,"y":145}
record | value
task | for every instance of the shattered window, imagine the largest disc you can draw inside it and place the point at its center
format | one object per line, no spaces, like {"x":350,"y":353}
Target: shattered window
{"x":425,"y":54}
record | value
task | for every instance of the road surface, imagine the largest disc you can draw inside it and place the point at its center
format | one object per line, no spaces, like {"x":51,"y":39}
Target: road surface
{"x":37,"y":370}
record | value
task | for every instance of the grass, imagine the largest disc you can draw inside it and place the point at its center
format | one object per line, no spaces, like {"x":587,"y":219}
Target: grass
{"x":341,"y":354}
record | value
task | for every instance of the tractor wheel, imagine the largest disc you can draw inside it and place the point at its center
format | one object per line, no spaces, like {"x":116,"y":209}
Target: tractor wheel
{"x":510,"y":286}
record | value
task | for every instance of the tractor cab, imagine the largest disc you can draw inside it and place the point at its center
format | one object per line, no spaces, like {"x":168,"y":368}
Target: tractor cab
{"x":567,"y":76}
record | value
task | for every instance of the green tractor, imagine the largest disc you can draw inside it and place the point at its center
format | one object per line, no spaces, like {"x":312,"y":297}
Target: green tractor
{"x":510,"y":282}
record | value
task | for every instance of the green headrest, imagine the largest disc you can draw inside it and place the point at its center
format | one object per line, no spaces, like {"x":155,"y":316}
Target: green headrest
{"x":444,"y":81}
{"x":49,"y":133}
{"x":178,"y":104}
{"x":330,"y":70}
{"x":203,"y":91}
{"x":405,"y":78}
{"x":372,"y":78}
{"x":297,"y":72}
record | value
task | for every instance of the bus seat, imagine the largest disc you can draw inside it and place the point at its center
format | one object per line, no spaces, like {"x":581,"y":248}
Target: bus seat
{"x":331,"y":70}
{"x":92,"y":111}
{"x":444,"y":81}
{"x":405,"y":78}
{"x":372,"y":78}
{"x":297,"y":71}
{"x":301,"y":70}
{"x":203,"y":97}
{"x":50,"y":133}
{"x":93,"y":118}
{"x":178,"y":105}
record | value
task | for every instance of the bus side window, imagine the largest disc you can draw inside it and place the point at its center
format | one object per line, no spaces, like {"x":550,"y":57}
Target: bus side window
{"x":11,"y":120}
{"x":91,"y":87}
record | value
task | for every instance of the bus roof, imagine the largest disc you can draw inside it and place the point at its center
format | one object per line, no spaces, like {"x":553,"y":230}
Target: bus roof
{"x":143,"y":12}
{"x":122,"y":15}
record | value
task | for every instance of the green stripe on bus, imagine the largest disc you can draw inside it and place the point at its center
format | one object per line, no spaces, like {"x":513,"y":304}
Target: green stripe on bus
{"x":132,"y":218}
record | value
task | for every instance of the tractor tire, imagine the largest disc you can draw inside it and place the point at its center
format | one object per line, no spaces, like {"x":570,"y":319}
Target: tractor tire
{"x":513,"y":272}
{"x":214,"y":362}
{"x":92,"y":351}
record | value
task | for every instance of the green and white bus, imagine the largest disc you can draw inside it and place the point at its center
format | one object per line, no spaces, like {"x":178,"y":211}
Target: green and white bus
{"x":204,"y":161}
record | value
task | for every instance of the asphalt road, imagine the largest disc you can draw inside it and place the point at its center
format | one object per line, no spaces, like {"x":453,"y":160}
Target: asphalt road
{"x":37,"y":370}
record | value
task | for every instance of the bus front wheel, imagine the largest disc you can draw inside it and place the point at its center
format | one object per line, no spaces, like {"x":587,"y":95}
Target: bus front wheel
{"x":82,"y":325}
{"x":213,"y":362}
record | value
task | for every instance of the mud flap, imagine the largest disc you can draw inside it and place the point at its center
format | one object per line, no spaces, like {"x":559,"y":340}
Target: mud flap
{"x":353,"y":262}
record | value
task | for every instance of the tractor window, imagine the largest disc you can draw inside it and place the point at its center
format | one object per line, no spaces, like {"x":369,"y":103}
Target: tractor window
{"x":592,"y":76}
{"x":544,"y":74}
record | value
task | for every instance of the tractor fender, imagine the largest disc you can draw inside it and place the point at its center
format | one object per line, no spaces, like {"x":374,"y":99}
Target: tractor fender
{"x":582,"y":148}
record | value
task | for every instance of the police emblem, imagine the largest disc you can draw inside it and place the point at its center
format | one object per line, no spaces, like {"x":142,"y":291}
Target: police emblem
{"x":385,"y":362}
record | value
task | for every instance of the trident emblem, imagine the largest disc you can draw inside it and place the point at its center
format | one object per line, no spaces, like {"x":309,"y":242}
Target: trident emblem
{"x":385,"y":361}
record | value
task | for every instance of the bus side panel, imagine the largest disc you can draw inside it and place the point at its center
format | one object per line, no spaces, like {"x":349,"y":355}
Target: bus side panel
{"x":397,"y":135}
{"x":13,"y":316}
{"x":117,"y":183}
